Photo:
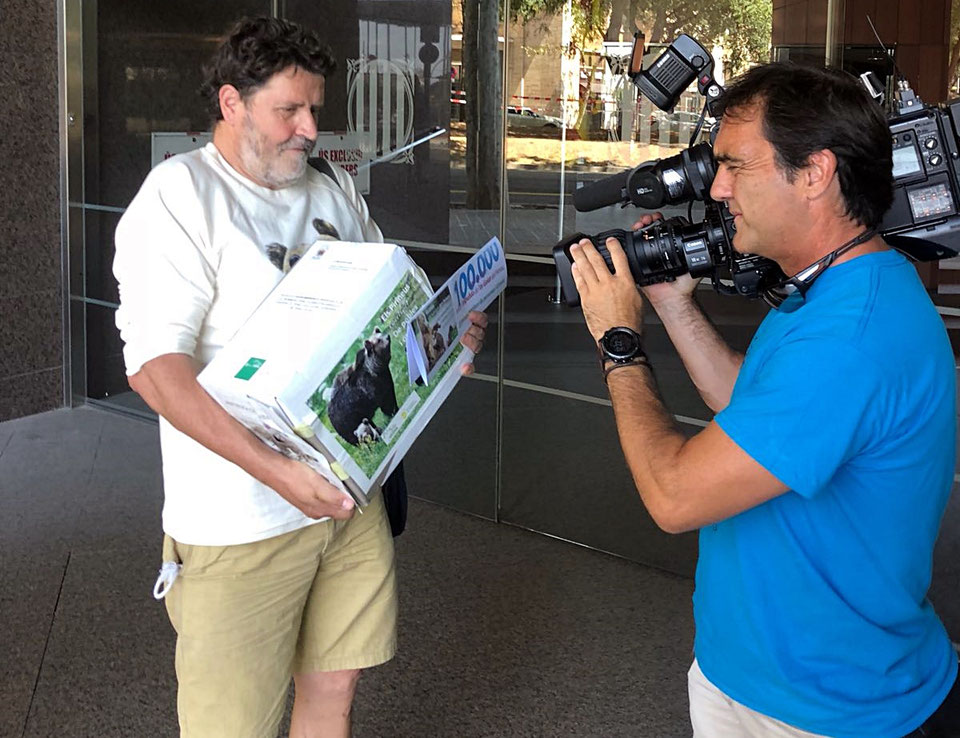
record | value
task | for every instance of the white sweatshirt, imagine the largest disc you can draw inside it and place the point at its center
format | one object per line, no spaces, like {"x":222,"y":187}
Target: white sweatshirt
{"x":192,"y":263}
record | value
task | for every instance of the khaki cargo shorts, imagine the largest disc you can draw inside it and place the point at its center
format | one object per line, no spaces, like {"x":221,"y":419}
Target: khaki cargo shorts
{"x":322,"y":598}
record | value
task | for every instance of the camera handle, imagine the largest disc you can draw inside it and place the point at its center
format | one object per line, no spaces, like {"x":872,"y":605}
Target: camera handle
{"x":707,"y":86}
{"x":721,"y":288}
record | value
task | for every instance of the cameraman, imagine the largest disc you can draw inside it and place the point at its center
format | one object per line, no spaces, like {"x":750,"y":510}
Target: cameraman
{"x":819,"y":486}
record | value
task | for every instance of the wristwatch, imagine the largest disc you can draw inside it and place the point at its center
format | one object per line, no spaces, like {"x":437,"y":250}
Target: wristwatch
{"x":620,"y":345}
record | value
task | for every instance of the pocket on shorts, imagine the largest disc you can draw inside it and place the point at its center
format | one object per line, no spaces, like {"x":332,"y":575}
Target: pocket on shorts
{"x":202,"y":561}
{"x":169,"y":551}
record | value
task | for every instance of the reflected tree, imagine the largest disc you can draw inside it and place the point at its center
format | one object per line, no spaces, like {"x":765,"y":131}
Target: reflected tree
{"x":742,"y":27}
{"x":483,"y":81}
{"x":483,"y":96}
{"x":591,"y":20}
{"x":953,"y":65}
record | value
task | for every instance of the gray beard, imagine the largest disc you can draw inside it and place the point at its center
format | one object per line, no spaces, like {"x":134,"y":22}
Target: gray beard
{"x":251,"y":155}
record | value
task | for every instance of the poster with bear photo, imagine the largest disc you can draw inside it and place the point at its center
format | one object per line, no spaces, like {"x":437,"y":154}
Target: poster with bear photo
{"x":436,"y":333}
{"x":327,"y":369}
{"x":436,"y":329}
{"x":367,"y":401}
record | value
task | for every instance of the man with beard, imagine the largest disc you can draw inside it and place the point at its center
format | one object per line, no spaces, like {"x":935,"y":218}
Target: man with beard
{"x":277,"y":576}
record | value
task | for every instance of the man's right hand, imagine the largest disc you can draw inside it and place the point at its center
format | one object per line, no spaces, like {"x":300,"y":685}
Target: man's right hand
{"x":665,"y":293}
{"x":311,"y":494}
{"x":712,"y":364}
{"x":169,"y":386}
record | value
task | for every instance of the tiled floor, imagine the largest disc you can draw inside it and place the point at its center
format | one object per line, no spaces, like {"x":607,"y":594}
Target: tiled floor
{"x":503,"y":632}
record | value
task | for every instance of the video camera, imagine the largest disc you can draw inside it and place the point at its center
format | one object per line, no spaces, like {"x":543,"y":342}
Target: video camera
{"x":923,"y":222}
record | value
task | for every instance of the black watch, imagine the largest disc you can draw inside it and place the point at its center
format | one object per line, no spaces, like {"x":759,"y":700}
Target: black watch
{"x":621,"y":346}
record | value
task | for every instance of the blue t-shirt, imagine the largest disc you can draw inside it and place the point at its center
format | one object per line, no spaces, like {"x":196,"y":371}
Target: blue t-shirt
{"x":811,"y":607}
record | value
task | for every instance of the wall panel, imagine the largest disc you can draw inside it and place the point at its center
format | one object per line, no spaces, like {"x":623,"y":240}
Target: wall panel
{"x":29,"y":210}
{"x":886,"y":19}
{"x":908,"y":26}
{"x":855,"y":14}
{"x":816,"y":22}
{"x":795,"y":19}
{"x":934,"y":19}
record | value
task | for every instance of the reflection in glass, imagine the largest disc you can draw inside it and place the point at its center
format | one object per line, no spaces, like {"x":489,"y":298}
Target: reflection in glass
{"x":562,"y":470}
{"x":562,"y":473}
{"x":392,"y":87}
{"x":106,"y":375}
{"x":570,"y":67}
{"x":454,"y":461}
{"x":142,"y":69}
{"x":142,"y":66}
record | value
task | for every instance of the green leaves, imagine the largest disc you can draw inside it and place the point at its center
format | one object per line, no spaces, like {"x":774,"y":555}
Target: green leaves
{"x":742,"y":27}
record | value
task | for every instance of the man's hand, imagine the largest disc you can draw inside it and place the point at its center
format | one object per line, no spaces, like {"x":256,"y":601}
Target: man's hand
{"x":473,"y":338}
{"x":712,"y":364}
{"x":310,"y":493}
{"x":608,"y":300}
{"x":665,"y":292}
{"x":169,"y":385}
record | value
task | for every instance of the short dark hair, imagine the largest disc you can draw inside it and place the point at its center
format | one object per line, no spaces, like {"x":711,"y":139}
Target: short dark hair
{"x":255,"y":50}
{"x":808,"y":109}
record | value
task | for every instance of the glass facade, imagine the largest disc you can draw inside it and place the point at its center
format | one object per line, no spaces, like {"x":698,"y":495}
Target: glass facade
{"x":475,"y":127}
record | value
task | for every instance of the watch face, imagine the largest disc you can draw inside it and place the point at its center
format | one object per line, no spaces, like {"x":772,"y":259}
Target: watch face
{"x":620,"y":343}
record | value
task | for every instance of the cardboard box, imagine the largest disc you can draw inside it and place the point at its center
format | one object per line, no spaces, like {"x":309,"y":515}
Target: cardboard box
{"x":320,"y":371}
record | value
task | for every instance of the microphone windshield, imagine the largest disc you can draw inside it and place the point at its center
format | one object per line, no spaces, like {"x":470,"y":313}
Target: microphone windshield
{"x":607,"y":191}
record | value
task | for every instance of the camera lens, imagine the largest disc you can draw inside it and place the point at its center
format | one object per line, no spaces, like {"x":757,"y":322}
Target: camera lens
{"x":664,"y":250}
{"x":677,"y":179}
{"x":661,"y":252}
{"x":655,"y":253}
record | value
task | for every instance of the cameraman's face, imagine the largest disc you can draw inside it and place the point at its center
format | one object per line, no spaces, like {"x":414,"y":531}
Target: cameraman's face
{"x":767,"y":208}
{"x":280,"y":127}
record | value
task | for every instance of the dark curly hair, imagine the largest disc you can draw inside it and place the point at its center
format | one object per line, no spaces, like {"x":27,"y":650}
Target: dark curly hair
{"x":255,"y":50}
{"x":809,"y":109}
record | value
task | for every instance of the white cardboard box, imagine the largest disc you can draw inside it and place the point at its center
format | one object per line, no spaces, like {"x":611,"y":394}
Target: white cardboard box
{"x":310,"y":362}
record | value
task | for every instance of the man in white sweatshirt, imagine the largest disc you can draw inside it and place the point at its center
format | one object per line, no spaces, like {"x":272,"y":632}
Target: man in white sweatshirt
{"x":278,"y":577}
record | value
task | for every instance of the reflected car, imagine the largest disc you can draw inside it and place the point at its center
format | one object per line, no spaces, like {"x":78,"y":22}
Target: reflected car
{"x":675,"y":127}
{"x":518,"y":117}
{"x":677,"y":117}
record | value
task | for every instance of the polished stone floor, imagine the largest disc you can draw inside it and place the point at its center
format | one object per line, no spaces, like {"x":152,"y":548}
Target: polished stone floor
{"x":503,"y":632}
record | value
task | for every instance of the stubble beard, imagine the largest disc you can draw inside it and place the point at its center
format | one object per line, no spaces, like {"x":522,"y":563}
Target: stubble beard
{"x":276,"y":169}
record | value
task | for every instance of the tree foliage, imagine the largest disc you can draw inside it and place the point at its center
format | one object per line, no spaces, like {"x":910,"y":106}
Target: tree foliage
{"x":590,"y":17}
{"x":742,"y":27}
{"x":953,"y":65}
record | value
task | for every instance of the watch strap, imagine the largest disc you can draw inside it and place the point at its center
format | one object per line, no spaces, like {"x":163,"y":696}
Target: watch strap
{"x":641,"y":360}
